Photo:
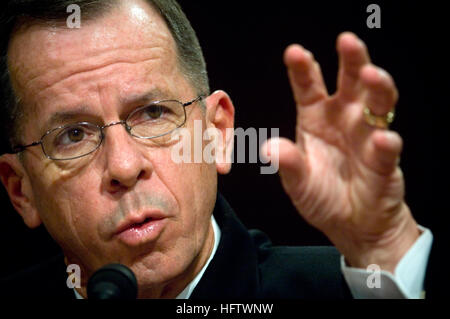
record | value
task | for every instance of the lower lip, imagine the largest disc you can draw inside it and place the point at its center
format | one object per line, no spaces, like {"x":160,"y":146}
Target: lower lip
{"x":141,"y":234}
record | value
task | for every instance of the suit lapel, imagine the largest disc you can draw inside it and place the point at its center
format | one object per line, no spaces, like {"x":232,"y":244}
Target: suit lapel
{"x":233,"y":272}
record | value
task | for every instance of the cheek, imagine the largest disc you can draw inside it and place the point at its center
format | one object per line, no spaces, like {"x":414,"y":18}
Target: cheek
{"x":65,"y":206}
{"x":194,"y":187}
{"x":57,"y":189}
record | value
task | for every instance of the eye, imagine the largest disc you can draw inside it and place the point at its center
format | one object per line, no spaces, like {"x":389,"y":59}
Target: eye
{"x":72,"y":135}
{"x":75,"y":135}
{"x":154,"y":111}
{"x":157,"y":114}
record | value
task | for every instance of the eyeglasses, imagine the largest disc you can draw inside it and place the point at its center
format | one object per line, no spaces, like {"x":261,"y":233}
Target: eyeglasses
{"x":72,"y":141}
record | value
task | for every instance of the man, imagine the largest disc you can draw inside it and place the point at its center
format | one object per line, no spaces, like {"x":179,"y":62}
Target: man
{"x":97,"y":167}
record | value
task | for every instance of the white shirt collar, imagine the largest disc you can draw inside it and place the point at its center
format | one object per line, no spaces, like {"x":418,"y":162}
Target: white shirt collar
{"x":186,"y":293}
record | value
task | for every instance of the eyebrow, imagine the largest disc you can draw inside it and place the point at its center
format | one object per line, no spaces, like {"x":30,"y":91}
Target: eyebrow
{"x":153,"y":95}
{"x":60,"y":117}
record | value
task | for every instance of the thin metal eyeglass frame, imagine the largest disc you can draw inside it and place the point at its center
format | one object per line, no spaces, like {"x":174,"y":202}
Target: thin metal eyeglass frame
{"x":21,"y":148}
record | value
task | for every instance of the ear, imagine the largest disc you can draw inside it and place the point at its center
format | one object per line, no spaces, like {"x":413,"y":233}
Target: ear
{"x":17,"y":183}
{"x":220,"y":115}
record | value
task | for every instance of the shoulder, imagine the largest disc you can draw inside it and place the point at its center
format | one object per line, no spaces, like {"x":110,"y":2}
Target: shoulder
{"x":299,"y":272}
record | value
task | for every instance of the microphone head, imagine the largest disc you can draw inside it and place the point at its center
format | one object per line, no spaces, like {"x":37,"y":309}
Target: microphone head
{"x":113,"y":281}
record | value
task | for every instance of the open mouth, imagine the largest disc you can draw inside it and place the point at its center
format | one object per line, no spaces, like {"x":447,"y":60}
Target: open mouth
{"x":143,"y":232}
{"x":140,"y":225}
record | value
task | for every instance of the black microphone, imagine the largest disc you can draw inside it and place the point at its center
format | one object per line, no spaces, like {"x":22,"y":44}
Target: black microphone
{"x":113,"y":281}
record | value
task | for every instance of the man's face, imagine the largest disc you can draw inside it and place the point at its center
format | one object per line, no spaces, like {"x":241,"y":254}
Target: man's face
{"x":97,"y":74}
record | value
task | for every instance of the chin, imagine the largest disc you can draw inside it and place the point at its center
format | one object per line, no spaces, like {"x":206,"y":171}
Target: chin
{"x":155,"y":274}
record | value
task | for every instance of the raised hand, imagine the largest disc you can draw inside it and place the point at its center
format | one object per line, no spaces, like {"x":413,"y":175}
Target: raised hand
{"x":342,"y":173}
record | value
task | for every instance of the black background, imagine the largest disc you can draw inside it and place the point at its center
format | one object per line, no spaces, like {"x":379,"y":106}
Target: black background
{"x":243,"y":44}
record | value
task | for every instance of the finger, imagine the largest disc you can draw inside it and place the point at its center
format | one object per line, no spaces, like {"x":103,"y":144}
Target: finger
{"x":382,"y":151}
{"x":382,"y":95}
{"x":304,"y":75}
{"x":293,"y":166}
{"x":353,"y":56}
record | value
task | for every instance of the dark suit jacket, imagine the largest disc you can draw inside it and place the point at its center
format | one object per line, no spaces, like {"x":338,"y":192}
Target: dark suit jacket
{"x":246,"y":265}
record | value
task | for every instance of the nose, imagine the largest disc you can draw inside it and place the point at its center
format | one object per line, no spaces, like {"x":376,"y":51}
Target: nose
{"x":125,"y":163}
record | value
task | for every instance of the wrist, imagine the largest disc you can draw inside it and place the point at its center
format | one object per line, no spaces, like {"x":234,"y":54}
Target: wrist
{"x":385,"y":250}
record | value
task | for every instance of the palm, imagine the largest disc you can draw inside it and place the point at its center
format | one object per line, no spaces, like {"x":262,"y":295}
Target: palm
{"x":342,"y":174}
{"x":339,"y":185}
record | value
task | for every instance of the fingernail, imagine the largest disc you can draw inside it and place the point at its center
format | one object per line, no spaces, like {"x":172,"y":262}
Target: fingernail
{"x":383,"y":73}
{"x":309,"y":54}
{"x":361,"y":43}
{"x":391,"y":137}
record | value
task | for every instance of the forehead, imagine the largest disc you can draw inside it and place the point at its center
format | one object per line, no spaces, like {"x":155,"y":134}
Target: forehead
{"x":44,"y":57}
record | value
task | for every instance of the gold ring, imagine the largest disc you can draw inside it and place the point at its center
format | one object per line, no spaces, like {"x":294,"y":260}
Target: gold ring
{"x":380,"y":121}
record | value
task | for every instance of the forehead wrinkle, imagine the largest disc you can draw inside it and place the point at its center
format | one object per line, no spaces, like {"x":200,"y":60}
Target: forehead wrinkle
{"x":105,"y":42}
{"x":97,"y":35}
{"x":32,"y":104}
{"x":33,"y":107}
{"x":73,"y":69}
